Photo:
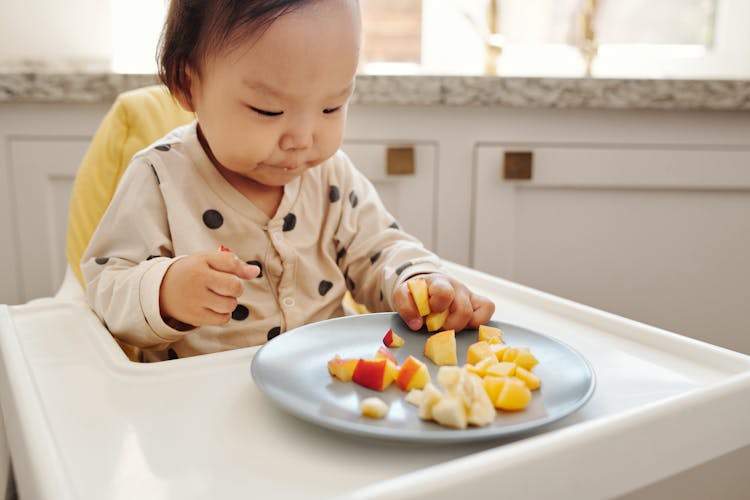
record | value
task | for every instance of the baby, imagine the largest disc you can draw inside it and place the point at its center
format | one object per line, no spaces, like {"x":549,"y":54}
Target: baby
{"x":259,"y":172}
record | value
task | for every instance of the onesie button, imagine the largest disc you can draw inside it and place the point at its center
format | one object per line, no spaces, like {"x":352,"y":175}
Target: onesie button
{"x":288,"y":302}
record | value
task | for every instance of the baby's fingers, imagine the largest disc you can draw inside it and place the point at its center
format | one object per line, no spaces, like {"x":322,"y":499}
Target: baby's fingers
{"x":406,"y":308}
{"x":228,"y":262}
{"x":483,"y":307}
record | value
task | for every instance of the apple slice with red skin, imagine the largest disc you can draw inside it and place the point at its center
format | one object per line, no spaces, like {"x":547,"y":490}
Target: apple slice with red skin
{"x":391,"y":339}
{"x":375,"y":374}
{"x":383,"y":352}
{"x":342,"y":368}
{"x":412,"y":375}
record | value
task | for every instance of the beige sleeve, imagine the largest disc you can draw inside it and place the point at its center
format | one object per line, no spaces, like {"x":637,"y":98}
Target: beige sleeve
{"x":126,"y":260}
{"x":376,"y":254}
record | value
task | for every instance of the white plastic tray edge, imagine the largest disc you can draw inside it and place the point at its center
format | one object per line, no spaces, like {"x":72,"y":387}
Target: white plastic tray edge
{"x":25,"y":422}
{"x":648,"y":335}
{"x":640,"y":446}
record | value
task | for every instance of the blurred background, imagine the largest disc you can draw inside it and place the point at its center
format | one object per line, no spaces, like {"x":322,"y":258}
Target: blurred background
{"x":600,"y":38}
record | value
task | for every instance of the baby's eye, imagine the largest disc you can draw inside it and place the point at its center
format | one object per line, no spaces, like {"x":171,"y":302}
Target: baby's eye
{"x":266,"y":113}
{"x":328,"y":111}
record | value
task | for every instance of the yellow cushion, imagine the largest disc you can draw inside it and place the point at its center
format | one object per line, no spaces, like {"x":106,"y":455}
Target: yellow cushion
{"x":136,"y":119}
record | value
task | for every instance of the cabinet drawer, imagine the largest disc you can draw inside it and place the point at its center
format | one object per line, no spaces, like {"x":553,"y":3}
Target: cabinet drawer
{"x":657,"y":234}
{"x":409,"y":197}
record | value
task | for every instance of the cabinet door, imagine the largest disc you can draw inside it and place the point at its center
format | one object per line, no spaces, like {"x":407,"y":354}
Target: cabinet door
{"x":43,"y":171}
{"x":658,"y":234}
{"x":410,"y":197}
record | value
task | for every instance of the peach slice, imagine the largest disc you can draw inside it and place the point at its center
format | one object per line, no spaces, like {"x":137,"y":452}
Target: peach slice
{"x":418,"y":290}
{"x":513,"y":396}
{"x":520,"y":356}
{"x":391,"y":339}
{"x":375,"y":374}
{"x":479,"y":351}
{"x":502,"y":369}
{"x":491,"y":334}
{"x":530,"y":379}
{"x":412,"y":375}
{"x":440,"y":348}
{"x":435,"y":320}
{"x":342,"y":368}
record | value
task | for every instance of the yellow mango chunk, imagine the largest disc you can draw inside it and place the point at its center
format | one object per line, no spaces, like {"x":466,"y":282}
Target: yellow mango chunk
{"x":531,"y":380}
{"x":513,"y":396}
{"x":479,"y":351}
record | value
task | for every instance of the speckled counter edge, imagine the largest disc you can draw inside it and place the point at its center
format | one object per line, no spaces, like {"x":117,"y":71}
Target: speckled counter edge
{"x":726,"y":95}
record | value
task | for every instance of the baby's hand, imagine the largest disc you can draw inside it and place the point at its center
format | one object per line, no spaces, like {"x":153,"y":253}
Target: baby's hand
{"x":466,"y":309}
{"x":202,"y":288}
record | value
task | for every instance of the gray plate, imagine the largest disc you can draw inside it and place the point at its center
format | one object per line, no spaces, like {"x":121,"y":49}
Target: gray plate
{"x":292,"y":370}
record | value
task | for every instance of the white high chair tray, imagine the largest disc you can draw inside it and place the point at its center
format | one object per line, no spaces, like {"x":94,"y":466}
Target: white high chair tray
{"x":83,"y":422}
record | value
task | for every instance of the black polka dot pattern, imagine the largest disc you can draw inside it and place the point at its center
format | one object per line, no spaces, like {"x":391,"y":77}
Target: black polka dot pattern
{"x":400,"y":269}
{"x":172,"y":354}
{"x":240,"y":313}
{"x":256,"y":263}
{"x":381,"y":296}
{"x":290,"y":220}
{"x":394,"y":226}
{"x":274,"y":332}
{"x":152,"y":257}
{"x":213,"y":219}
{"x":349,"y":282}
{"x":153,"y":169}
{"x":324,"y":287}
{"x":164,"y":147}
{"x":334,"y":194}
{"x":374,"y":257}
{"x":353,"y":199}
{"x":340,"y":255}
{"x":101,"y":260}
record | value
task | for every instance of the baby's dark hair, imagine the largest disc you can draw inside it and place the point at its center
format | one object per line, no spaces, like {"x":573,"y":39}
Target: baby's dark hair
{"x":194,"y":28}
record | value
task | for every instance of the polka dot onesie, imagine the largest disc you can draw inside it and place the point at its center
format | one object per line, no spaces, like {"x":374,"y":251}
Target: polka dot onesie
{"x":330,"y":233}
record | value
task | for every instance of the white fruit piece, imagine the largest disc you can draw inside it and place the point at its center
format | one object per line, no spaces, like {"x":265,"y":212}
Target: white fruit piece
{"x":450,"y":412}
{"x":373,"y":407}
{"x":431,"y":395}
{"x":414,"y":397}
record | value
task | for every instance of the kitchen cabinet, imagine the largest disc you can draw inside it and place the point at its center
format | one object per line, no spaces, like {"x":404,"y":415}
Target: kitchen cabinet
{"x":640,"y":213}
{"x":661,"y":233}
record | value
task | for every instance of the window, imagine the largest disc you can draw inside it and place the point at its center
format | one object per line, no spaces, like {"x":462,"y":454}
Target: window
{"x":635,"y":38}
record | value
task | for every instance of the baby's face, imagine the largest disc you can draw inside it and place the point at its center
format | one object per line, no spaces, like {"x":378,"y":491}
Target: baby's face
{"x":276,"y":104}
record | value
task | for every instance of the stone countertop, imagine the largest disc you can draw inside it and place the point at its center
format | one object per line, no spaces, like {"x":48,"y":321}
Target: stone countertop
{"x":427,"y":90}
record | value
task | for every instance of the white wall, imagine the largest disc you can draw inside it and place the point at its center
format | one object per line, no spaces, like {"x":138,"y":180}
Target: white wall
{"x":59,"y":31}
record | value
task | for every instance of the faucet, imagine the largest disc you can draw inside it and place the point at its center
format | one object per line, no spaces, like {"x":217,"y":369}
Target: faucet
{"x":588,"y":45}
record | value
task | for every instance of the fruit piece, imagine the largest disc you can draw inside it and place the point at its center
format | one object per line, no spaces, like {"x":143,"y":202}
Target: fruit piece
{"x":392,"y":340}
{"x":520,"y":356}
{"x":450,"y":377}
{"x":479,"y":351}
{"x":480,"y":410}
{"x":375,"y":374}
{"x":530,"y":379}
{"x":513,"y":396}
{"x":412,"y":375}
{"x":383,"y":352}
{"x":414,"y":397}
{"x":503,"y":369}
{"x":435,"y":320}
{"x":491,"y":334}
{"x":431,"y":395}
{"x":493,"y":386}
{"x":440,"y":348}
{"x":482,"y":367}
{"x":373,"y":407}
{"x":222,"y":248}
{"x":342,"y":368}
{"x":450,"y":412}
{"x":418,"y":290}
{"x":499,"y":350}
